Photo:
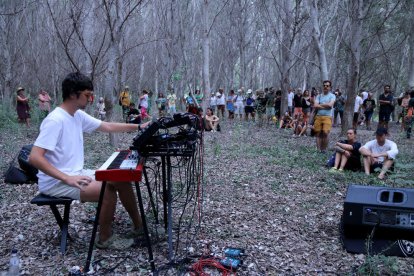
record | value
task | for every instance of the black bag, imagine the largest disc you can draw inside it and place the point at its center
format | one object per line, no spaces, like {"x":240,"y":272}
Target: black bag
{"x":23,"y":159}
{"x":15,"y":176}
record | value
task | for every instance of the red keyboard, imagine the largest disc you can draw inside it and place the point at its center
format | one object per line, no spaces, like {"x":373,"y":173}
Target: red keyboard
{"x":121,"y":166}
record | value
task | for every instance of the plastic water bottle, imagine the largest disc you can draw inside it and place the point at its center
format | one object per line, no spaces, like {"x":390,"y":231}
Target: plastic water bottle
{"x":14,"y":264}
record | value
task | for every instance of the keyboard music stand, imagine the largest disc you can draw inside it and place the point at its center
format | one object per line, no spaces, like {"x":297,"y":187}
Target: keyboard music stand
{"x":136,"y":180}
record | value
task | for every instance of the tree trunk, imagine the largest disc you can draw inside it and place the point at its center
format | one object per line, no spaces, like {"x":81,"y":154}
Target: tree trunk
{"x":354,"y":66}
{"x":206,"y":54}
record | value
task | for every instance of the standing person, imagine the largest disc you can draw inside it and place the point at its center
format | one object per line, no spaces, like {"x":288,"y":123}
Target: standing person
{"x":323,"y":119}
{"x":101,"y":109}
{"x":379,"y":153}
{"x":213,"y":102}
{"x":22,"y":107}
{"x":221,"y":103}
{"x":409,"y":119}
{"x":347,"y":154}
{"x":278,"y":103}
{"x":369,"y":106}
{"x":270,"y":106}
{"x":290,"y":97}
{"x":143,"y":103}
{"x":249,"y":107}
{"x":58,"y":153}
{"x":161,"y":102}
{"x":404,"y":105}
{"x":230,"y":104}
{"x":338,"y":106}
{"x":385,"y":107}
{"x":297,"y":102}
{"x":172,"y":99}
{"x":239,"y":104}
{"x":44,"y":103}
{"x":124,"y":100}
{"x":261,"y":101}
{"x":199,"y":97}
{"x":357,"y":110}
{"x":306,"y":106}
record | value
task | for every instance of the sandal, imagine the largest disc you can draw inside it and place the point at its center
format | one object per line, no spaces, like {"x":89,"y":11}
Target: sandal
{"x":114,"y":242}
{"x":134,"y":233}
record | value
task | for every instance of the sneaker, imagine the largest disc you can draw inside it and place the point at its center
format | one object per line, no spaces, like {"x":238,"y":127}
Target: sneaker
{"x":114,"y":242}
{"x":333,"y":169}
{"x":134,"y":233}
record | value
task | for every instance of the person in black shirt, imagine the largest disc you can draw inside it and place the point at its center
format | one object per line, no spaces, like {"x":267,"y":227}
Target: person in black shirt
{"x":385,"y":107}
{"x":133,"y":115}
{"x":347,"y":155}
{"x":369,"y":106}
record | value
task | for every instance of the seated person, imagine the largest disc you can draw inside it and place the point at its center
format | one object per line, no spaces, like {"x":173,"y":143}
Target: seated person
{"x":347,"y":155}
{"x":133,"y":115}
{"x":379,"y":153}
{"x":286,"y":121}
{"x":58,"y":154}
{"x":211,"y":121}
{"x":300,"y":125}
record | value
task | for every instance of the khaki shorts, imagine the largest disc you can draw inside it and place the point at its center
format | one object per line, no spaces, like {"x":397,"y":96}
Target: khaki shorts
{"x":322,"y":123}
{"x":64,"y":190}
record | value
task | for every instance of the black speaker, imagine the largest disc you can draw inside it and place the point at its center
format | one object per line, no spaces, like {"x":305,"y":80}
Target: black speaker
{"x":381,"y":216}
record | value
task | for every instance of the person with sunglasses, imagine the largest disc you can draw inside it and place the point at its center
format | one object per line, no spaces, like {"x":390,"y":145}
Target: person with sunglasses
{"x":323,"y":118}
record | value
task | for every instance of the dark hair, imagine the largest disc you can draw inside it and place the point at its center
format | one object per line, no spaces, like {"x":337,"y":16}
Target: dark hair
{"x":330,"y":83}
{"x":74,"y":83}
{"x":412,"y":93}
{"x":387,"y":85}
{"x":212,"y":112}
{"x":354,"y":130}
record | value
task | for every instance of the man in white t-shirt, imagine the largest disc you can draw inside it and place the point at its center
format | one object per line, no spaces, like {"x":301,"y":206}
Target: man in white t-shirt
{"x":239,"y":104}
{"x":357,"y":110}
{"x":379,"y":153}
{"x":58,"y":153}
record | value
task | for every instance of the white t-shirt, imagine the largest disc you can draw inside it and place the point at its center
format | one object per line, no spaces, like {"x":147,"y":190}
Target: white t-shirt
{"x":358,"y":103}
{"x":144,"y":101}
{"x":213,"y":101}
{"x":61,"y":134}
{"x":389,"y":146}
{"x":290,"y":98}
{"x":239,"y":100}
{"x":364,"y":95}
{"x":221,"y":100}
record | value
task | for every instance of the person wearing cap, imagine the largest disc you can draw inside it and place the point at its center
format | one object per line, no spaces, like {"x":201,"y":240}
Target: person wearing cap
{"x":22,"y":107}
{"x":249,"y":107}
{"x":44,"y":103}
{"x":221,"y":103}
{"x":124,"y":101}
{"x":379,"y":153}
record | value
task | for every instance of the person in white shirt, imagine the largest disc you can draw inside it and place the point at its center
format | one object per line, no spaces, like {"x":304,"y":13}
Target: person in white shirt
{"x":143,"y":103}
{"x":213,"y":102}
{"x":357,"y":110}
{"x":58,"y":154}
{"x":379,"y":153}
{"x":239,"y":104}
{"x":221,"y":103}
{"x":290,"y":97}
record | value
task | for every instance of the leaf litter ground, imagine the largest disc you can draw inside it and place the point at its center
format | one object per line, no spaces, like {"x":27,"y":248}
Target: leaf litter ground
{"x":264,"y":191}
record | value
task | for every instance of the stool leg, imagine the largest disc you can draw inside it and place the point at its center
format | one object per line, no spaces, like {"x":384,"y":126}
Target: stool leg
{"x":65,"y":226}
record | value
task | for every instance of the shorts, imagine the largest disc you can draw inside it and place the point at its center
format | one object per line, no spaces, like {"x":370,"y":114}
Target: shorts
{"x":378,"y":165}
{"x":270,"y":111}
{"x":64,"y":190}
{"x":322,"y":123}
{"x":384,"y":116}
{"x":355,"y":118}
{"x":368,"y":115}
{"x":248,"y":109}
{"x":297,"y":110}
{"x":221,"y":108}
{"x":172,"y":110}
{"x":239,"y":109}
